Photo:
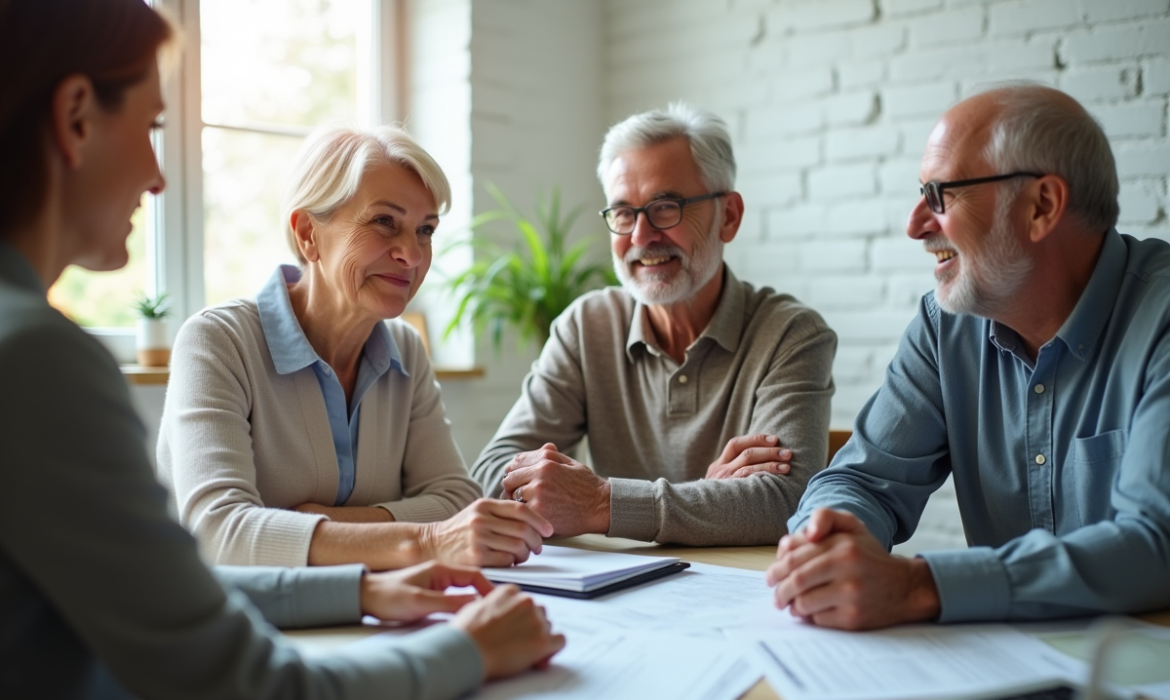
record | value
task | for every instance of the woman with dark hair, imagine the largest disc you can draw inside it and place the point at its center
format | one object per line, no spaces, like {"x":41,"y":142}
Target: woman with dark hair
{"x":101,"y":594}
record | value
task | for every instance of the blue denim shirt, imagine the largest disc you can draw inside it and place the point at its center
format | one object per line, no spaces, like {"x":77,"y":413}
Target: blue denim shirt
{"x":1061,"y":468}
{"x":292,"y":352}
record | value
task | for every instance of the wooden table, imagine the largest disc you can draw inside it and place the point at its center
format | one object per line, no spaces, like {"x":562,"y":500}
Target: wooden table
{"x":753,"y":558}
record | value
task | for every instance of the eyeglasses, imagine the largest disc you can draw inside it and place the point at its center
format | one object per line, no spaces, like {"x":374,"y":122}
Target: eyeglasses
{"x":933,"y":190}
{"x":661,"y":213}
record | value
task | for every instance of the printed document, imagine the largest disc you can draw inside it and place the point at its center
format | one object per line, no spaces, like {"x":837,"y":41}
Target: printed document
{"x":635,"y":666}
{"x":961,"y":661}
{"x":697,"y":602}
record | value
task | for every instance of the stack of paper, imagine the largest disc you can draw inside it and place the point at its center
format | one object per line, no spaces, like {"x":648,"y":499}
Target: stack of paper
{"x":579,"y":570}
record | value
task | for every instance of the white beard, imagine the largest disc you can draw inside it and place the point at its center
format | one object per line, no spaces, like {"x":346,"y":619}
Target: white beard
{"x":988,"y":280}
{"x":661,"y":288}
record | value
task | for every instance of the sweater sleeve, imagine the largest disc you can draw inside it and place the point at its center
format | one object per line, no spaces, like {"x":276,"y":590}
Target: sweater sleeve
{"x":435,"y":480}
{"x":205,"y":456}
{"x":299,"y":597}
{"x":792,"y":402}
{"x":82,"y":518}
{"x":551,"y":408}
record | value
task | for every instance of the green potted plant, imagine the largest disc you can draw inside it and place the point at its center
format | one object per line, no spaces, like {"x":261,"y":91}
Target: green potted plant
{"x":529,"y":285}
{"x":152,"y":342}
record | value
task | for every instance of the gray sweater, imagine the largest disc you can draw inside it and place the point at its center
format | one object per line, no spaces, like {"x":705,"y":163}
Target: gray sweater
{"x":763,"y":365}
{"x":102,"y":595}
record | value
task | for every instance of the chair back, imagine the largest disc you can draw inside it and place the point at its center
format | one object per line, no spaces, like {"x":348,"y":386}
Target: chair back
{"x":837,"y":439}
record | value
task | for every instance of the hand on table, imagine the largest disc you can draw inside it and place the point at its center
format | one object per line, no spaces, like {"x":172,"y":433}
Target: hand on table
{"x":566,"y":492}
{"x":836,"y":574}
{"x":747,"y":455}
{"x":412,"y":594}
{"x":511,"y":631}
{"x":488,"y":532}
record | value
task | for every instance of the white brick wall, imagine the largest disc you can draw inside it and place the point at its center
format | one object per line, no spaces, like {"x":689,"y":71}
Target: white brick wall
{"x":508,"y":92}
{"x":840,"y":95}
{"x":830,"y":102}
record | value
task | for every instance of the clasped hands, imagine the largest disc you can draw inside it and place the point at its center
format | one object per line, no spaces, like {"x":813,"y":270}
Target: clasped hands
{"x":834,"y":573}
{"x":575,"y":501}
{"x":561,"y":490}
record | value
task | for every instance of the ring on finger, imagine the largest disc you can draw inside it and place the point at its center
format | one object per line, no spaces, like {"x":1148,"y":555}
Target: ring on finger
{"x":519,"y":496}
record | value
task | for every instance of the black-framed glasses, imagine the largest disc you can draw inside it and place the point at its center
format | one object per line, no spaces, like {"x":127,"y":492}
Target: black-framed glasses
{"x":661,"y":213}
{"x":933,"y":190}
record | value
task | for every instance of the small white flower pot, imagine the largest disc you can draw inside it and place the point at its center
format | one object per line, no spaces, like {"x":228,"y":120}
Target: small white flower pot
{"x":153,"y":348}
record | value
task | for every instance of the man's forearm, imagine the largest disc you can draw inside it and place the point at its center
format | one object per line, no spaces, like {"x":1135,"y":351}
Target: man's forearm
{"x":707,"y":512}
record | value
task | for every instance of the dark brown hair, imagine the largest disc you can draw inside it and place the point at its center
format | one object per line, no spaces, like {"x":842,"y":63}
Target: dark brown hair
{"x":42,"y":42}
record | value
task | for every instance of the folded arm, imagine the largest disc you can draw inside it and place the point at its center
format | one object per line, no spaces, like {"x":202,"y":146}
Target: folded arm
{"x":792,"y":403}
{"x":206,"y":457}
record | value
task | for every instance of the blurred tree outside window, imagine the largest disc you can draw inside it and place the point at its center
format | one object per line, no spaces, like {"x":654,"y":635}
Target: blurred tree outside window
{"x":106,"y":299}
{"x":272,"y":70}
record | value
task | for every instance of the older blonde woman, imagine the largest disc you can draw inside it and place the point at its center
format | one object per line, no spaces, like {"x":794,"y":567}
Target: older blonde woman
{"x":299,"y":427}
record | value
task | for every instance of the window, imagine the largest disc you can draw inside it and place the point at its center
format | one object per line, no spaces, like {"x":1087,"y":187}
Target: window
{"x":301,"y":58}
{"x":256,"y":76}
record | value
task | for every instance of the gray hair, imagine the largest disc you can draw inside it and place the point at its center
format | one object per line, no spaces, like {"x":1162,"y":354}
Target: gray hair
{"x":708,"y":136}
{"x":1044,"y":130}
{"x":333,"y":159}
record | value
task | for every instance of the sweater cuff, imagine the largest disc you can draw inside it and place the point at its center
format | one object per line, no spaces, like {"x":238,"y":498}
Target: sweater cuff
{"x":631,"y":510}
{"x":446,"y":660}
{"x":327,"y":595}
{"x":420,"y":509}
{"x":972,"y":584}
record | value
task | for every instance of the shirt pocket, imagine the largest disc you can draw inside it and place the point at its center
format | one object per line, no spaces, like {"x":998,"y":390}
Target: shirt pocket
{"x":1095,"y":462}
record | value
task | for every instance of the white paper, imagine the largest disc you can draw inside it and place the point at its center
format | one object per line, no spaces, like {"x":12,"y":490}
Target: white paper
{"x":697,"y":602}
{"x":616,"y":666}
{"x":962,"y":661}
{"x":576,"y":569}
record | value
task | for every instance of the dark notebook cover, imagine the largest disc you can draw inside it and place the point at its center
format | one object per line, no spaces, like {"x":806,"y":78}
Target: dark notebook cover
{"x":613,"y":587}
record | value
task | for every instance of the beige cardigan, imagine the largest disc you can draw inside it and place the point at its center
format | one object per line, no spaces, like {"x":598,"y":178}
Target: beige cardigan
{"x":240,"y":444}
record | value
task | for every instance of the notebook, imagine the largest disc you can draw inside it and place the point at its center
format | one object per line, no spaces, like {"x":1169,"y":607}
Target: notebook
{"x":579,"y":573}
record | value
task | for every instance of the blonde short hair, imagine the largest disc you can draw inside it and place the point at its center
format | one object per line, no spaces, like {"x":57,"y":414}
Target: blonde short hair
{"x":333,"y":159}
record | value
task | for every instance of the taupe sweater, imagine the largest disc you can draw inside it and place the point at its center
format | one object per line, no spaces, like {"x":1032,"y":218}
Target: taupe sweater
{"x":240,"y":444}
{"x":763,"y":365}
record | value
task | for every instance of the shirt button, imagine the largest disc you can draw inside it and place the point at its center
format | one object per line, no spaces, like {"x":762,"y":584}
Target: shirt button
{"x":1039,"y":389}
{"x":1040,"y":459}
{"x":682,"y":379}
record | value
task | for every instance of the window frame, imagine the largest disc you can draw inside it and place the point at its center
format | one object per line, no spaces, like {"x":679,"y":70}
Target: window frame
{"x":175,"y":235}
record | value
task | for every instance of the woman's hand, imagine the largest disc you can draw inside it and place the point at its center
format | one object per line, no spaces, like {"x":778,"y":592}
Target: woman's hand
{"x":412,"y":594}
{"x":486,"y":533}
{"x":511,"y":631}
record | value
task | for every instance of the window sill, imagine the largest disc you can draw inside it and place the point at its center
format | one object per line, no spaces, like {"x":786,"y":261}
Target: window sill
{"x":158,"y":376}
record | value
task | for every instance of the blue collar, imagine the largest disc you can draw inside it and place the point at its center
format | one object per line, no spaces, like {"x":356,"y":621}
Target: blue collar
{"x":289,"y":347}
{"x":1084,"y":325}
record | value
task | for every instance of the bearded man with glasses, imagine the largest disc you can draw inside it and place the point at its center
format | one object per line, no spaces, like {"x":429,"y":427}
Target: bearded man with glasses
{"x":1037,"y":375}
{"x":705,"y":399}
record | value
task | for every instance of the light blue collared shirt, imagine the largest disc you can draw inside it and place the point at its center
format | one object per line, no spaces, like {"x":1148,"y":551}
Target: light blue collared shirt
{"x":1061,"y":467}
{"x":291,"y":352}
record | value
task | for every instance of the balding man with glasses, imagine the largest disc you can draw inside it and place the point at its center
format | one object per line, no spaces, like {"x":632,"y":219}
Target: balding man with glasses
{"x":705,"y":400}
{"x":1037,"y":375}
